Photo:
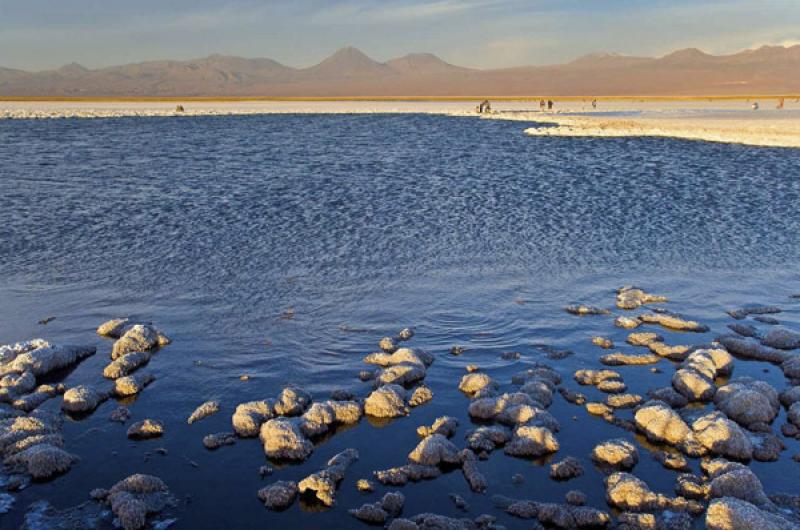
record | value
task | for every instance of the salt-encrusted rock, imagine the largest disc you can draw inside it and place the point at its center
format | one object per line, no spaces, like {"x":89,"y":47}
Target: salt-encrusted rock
{"x":405,"y":334}
{"x":126,"y":364}
{"x":477,"y":482}
{"x":401,"y":374}
{"x":631,"y":298}
{"x":387,"y":344}
{"x":444,"y":425}
{"x":282,"y":439}
{"x":582,"y":310}
{"x":629,"y":359}
{"x":752,"y":349}
{"x":669,"y":396}
{"x":40,"y":357}
{"x":292,"y":401}
{"x":16,"y":384}
{"x":146,"y":428}
{"x":627,"y":492}
{"x":346,"y":412}
{"x":691,"y":486}
{"x":747,"y":401}
{"x":391,"y":505}
{"x":791,"y":367}
{"x":722,"y":436}
{"x":399,"y":476}
{"x":317,"y":420}
{"x":627,"y":322}
{"x":113,"y":328}
{"x":766,"y":446}
{"x":434,"y":450}
{"x":598,"y":409}
{"x":744,"y":312}
{"x":248,"y":417}
{"x":603,"y":342}
{"x":643,"y":338}
{"x":120,"y":414}
{"x":203,"y":411}
{"x":217,"y":440}
{"x":594,"y":377}
{"x":661,"y":424}
{"x":729,"y":513}
{"x":364,"y":485}
{"x":421,"y":395}
{"x":782,"y":339}
{"x":83,"y":398}
{"x":138,"y":338}
{"x":553,"y":515}
{"x":459,"y":502}
{"x":790,"y":396}
{"x":132,"y":384}
{"x":676,"y":352}
{"x":745,"y":330}
{"x":325,"y":482}
{"x":400,"y":356}
{"x":531,"y":441}
{"x":41,"y":393}
{"x":387,"y":401}
{"x":278,"y":495}
{"x":576,"y":398}
{"x":695,"y":378}
{"x":539,"y":371}
{"x":575,"y":498}
{"x":41,"y":460}
{"x":693,"y":385}
{"x":612,"y":386}
{"x":793,"y":414}
{"x":770,"y":321}
{"x":617,"y":453}
{"x":671,"y":460}
{"x":137,"y":496}
{"x":474,"y":383}
{"x":540,"y":390}
{"x":9,"y":352}
{"x":674,"y":322}
{"x":487,"y":438}
{"x":740,"y":482}
{"x":568,"y":468}
{"x":624,"y":401}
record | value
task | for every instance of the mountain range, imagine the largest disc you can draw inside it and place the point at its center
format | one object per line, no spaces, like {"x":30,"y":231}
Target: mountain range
{"x":351,"y":73}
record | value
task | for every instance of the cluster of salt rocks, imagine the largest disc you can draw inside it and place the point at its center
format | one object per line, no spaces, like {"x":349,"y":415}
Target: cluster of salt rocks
{"x":31,"y":443}
{"x":739,"y":429}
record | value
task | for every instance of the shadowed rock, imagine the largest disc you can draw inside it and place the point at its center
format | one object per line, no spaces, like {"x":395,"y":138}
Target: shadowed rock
{"x":278,"y":495}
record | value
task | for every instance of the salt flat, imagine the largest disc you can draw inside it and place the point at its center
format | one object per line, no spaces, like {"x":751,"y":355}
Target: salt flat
{"x":717,"y":120}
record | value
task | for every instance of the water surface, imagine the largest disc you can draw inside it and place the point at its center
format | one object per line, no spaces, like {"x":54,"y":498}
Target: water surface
{"x":467,"y":230}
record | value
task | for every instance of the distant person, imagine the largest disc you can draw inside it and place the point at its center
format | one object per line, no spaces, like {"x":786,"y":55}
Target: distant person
{"x":594,"y":103}
{"x":755,"y":105}
{"x":780,"y":104}
{"x":549,"y":104}
{"x":541,"y":104}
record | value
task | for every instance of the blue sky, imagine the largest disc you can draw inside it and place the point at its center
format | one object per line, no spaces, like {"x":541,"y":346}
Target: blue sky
{"x":40,"y":34}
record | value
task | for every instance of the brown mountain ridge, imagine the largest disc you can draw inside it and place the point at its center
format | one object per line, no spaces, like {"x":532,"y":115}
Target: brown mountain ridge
{"x":350,"y":72}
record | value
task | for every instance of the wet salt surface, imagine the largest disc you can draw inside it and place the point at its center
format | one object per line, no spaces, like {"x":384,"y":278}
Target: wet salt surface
{"x":467,"y":230}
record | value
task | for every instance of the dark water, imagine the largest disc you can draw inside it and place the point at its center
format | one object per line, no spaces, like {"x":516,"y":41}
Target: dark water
{"x":467,"y":230}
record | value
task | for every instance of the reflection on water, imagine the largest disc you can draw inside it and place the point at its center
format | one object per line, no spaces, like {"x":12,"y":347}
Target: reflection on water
{"x":469,"y":231}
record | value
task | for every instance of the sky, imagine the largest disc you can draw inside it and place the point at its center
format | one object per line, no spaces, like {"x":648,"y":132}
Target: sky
{"x":44,"y":34}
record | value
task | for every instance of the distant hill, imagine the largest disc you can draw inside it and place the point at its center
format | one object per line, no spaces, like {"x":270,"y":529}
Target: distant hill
{"x":349,"y":72}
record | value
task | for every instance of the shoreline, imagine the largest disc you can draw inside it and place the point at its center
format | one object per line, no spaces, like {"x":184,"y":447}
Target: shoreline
{"x":721,"y":119}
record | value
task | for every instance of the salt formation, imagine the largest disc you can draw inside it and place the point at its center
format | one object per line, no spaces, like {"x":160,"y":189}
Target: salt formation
{"x":325,"y":482}
{"x":135,"y":498}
